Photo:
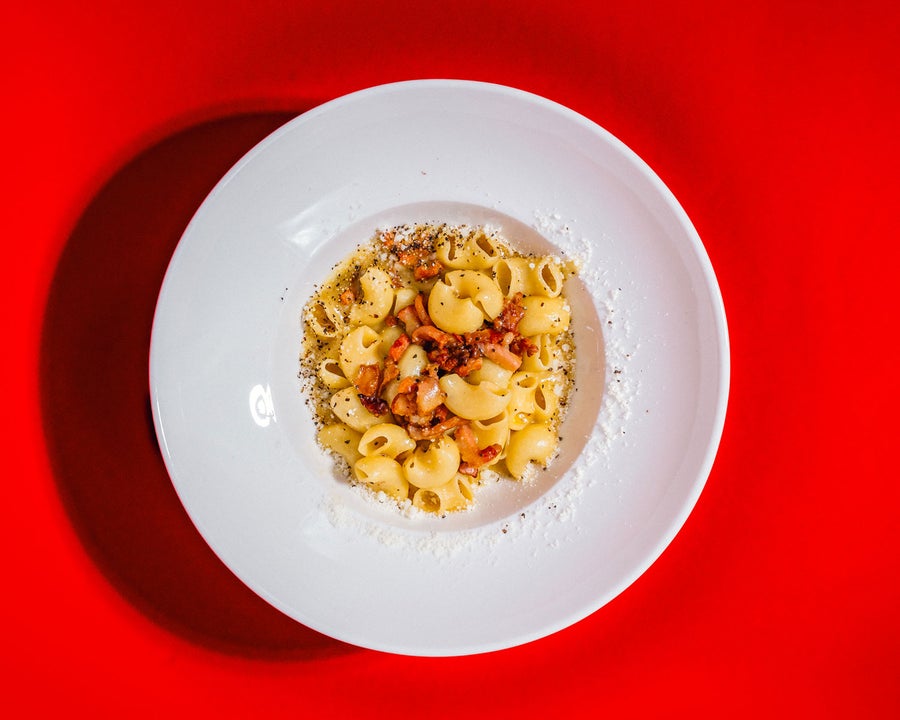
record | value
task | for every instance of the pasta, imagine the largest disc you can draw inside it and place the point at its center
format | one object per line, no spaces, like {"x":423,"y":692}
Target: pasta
{"x":535,"y":442}
{"x":341,"y":439}
{"x":349,"y":409}
{"x":432,"y":465}
{"x":470,"y":401}
{"x":382,"y":474}
{"x":544,"y":316}
{"x":377,"y":298}
{"x":453,"y":495}
{"x":385,"y":439}
{"x":464,"y":300}
{"x":436,"y":354}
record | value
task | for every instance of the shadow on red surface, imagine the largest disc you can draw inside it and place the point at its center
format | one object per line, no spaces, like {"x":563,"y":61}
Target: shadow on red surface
{"x":96,"y":405}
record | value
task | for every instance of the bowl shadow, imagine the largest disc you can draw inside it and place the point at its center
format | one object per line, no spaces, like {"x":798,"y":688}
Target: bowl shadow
{"x":95,"y":401}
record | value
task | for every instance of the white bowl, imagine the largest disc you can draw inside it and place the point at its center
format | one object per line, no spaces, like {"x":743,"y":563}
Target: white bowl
{"x":639,"y":440}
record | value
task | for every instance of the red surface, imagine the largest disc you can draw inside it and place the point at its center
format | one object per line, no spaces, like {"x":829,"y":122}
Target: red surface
{"x":774,"y":124}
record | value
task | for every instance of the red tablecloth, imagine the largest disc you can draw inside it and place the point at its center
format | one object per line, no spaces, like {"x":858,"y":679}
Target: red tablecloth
{"x":775,"y":124}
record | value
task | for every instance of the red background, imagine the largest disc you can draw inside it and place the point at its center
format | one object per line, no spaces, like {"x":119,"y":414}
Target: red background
{"x":774,"y":124}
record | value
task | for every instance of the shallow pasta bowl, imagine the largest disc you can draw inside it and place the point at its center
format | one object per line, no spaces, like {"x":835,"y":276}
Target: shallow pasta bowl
{"x":530,"y":558}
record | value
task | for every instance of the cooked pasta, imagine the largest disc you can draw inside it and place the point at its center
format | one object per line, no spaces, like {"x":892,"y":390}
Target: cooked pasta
{"x":341,"y":439}
{"x":385,"y":439}
{"x":534,"y":443}
{"x":382,"y":474}
{"x":435,"y":352}
{"x":471,"y":401}
{"x":455,"y":494}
